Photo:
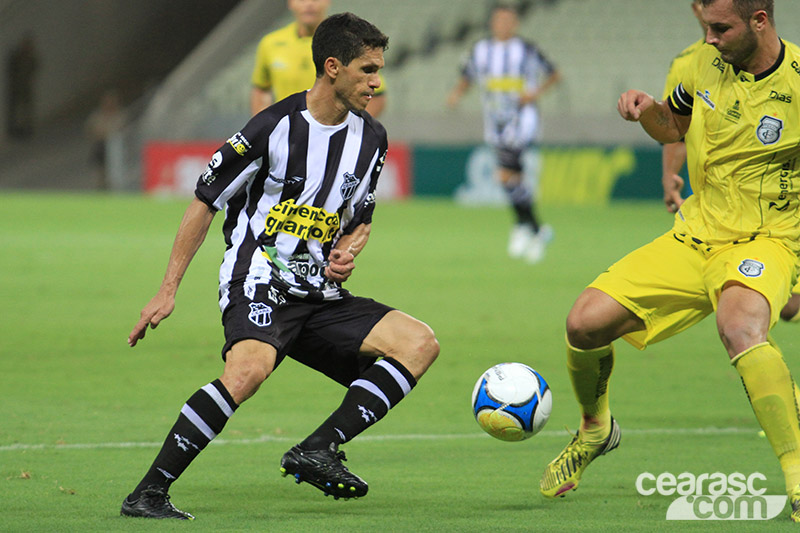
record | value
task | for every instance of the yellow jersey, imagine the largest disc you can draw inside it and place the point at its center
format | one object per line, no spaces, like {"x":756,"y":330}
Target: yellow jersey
{"x":284,"y":64}
{"x":743,"y":146}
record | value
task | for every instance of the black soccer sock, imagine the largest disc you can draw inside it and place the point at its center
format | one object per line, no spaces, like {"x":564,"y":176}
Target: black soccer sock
{"x":522,"y":204}
{"x":369,"y":398}
{"x":202,"y":418}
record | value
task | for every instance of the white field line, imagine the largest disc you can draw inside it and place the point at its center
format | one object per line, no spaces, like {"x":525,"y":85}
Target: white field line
{"x":376,"y":438}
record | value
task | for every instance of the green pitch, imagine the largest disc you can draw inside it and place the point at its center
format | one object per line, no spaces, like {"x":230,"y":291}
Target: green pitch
{"x":83,"y":415}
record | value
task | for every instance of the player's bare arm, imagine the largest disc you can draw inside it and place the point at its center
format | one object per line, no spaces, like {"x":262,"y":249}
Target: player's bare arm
{"x":260,"y":99}
{"x":341,"y":259}
{"x":191,"y":234}
{"x":533,"y":96}
{"x":673,"y":156}
{"x":656,"y":118}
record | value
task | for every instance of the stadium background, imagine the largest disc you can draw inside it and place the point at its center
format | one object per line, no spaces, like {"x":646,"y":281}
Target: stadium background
{"x":81,"y":414}
{"x":183,"y":69}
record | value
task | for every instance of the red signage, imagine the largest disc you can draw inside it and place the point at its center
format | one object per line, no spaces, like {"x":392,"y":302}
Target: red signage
{"x":174,"y":167}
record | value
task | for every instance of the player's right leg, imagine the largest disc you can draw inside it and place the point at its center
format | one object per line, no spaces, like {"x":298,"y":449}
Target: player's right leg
{"x":248,"y":363}
{"x":594,"y":322}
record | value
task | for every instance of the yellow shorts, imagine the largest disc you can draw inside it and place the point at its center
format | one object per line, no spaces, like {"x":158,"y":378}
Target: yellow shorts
{"x":672,"y":285}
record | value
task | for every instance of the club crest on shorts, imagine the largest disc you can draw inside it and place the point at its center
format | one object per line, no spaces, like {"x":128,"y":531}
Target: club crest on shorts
{"x":349,"y":186}
{"x":751,"y":268}
{"x":260,"y":314}
{"x":769,"y":130}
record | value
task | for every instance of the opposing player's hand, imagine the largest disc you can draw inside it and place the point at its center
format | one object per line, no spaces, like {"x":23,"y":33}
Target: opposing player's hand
{"x":632,"y":104}
{"x":673,"y":185}
{"x":159,"y":308}
{"x":340,"y":265}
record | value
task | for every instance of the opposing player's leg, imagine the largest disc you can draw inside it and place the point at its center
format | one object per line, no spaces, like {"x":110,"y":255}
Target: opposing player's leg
{"x":201,"y":419}
{"x":791,"y":311}
{"x":407,"y":347}
{"x":596,"y":319}
{"x":743,"y":320}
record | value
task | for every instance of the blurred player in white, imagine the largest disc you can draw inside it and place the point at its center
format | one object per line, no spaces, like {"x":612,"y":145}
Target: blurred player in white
{"x":512,"y":74}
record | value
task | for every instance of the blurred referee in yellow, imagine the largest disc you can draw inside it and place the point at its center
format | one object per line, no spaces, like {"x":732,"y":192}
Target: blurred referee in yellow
{"x":734,"y":248}
{"x":283,"y":64}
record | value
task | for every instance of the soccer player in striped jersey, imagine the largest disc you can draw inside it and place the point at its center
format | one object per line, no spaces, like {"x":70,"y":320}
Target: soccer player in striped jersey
{"x":512,"y":74}
{"x":734,"y":245}
{"x":297,"y":186}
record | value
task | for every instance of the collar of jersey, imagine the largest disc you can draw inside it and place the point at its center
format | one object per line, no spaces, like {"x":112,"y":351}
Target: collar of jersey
{"x":748,"y":77}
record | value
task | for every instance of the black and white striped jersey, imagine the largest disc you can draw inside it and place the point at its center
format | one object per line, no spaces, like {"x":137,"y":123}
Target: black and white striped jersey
{"x":504,"y":70}
{"x":291,"y":187}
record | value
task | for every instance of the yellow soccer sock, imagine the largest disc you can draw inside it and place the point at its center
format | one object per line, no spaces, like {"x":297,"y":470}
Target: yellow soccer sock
{"x":589,"y":371}
{"x":774,"y":344}
{"x":771,"y":391}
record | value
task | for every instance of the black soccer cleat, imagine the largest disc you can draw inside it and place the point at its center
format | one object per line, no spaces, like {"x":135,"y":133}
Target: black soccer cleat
{"x":153,"y":502}
{"x":324,"y":470}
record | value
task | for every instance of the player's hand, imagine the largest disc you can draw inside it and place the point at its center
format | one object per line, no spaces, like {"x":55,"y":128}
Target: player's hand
{"x":159,"y":308}
{"x":673,"y":185}
{"x":632,"y":104}
{"x":340,"y":265}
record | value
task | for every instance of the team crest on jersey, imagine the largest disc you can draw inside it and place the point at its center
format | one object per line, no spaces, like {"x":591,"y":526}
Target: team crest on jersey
{"x":349,"y":186}
{"x":260,"y":314}
{"x":751,"y":268}
{"x":769,"y":130}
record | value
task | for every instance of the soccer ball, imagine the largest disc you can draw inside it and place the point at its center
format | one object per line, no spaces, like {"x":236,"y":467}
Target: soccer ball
{"x":511,"y":401}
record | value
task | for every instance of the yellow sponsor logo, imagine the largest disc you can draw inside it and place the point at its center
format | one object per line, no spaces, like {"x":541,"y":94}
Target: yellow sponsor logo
{"x":505,"y":84}
{"x":304,"y":221}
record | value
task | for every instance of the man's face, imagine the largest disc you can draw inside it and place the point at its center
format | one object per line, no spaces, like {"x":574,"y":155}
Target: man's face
{"x":503,"y":24}
{"x":356,"y":83}
{"x":733,"y":37}
{"x":309,"y":12}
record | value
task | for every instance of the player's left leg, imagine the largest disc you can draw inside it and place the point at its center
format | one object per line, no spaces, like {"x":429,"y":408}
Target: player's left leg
{"x":408,"y":348}
{"x":743,"y":320}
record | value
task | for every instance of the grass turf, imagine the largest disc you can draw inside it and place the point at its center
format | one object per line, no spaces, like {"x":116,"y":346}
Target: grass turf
{"x":84,"y":415}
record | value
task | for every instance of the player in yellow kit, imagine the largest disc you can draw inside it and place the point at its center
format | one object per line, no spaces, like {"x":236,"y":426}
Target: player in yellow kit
{"x":283,"y":63}
{"x":733,"y":248}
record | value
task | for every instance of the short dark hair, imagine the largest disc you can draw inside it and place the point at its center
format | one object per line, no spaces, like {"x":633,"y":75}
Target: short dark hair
{"x":345,"y":37}
{"x":746,"y":8}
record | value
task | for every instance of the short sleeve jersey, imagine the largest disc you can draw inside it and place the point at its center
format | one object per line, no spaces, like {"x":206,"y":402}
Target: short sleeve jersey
{"x":284,"y":63}
{"x":290,"y":188}
{"x":742,"y":149}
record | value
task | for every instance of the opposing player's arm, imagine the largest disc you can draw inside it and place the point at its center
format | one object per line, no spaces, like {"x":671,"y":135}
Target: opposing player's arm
{"x":673,"y":156}
{"x":191,"y":234}
{"x":657,"y":118}
{"x":341,"y":259}
{"x":260,"y":99}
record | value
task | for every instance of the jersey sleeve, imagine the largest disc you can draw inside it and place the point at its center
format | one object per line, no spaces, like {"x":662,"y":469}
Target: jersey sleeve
{"x":681,"y":101}
{"x":236,"y":162}
{"x":261,"y":75}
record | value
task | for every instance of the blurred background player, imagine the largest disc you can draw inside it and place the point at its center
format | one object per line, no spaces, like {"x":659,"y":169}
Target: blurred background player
{"x":734,"y":249}
{"x":283,"y":64}
{"x":509,"y":71}
{"x":674,"y":154}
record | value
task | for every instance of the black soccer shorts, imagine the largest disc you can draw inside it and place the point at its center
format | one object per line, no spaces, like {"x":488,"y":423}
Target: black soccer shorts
{"x":323,"y":335}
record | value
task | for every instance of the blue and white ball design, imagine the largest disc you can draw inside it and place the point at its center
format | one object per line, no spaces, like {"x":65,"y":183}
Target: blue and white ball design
{"x":511,"y":401}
